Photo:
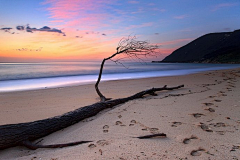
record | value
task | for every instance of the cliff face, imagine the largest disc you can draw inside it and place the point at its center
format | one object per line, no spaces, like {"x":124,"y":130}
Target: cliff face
{"x":211,"y":48}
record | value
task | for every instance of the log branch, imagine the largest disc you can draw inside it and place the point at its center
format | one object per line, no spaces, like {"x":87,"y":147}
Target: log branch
{"x":23,"y":133}
{"x":33,"y":146}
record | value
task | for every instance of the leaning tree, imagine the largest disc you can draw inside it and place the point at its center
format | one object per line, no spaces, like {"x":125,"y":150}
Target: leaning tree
{"x":129,"y":47}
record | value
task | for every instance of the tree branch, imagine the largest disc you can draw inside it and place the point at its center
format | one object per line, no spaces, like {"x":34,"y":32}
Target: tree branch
{"x":132,"y":49}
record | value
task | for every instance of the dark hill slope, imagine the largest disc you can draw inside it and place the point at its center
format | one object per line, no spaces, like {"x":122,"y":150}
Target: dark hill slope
{"x":213,"y":48}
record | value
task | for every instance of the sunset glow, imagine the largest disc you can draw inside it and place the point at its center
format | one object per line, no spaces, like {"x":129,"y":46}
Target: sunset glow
{"x":72,"y":30}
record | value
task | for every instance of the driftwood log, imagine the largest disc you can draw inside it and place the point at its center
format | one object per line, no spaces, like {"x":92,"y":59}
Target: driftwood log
{"x":22,"y":134}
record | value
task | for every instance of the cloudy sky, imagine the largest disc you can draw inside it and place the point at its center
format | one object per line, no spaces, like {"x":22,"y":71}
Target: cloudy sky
{"x":72,"y":30}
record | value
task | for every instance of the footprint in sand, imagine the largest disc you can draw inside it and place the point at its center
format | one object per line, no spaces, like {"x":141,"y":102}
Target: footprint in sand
{"x":146,"y":128}
{"x":150,"y":129}
{"x":208,"y":104}
{"x":234,"y":148}
{"x":219,"y":124}
{"x":132,"y":122}
{"x":217,"y":100}
{"x":188,"y":140}
{"x":210,"y":109}
{"x":119,"y":123}
{"x":105,"y":131}
{"x":153,"y":129}
{"x":175,"y":124}
{"x":92,"y":145}
{"x":105,"y":128}
{"x":212,"y":96}
{"x":205,"y":127}
{"x":102,"y":142}
{"x":197,"y":115}
{"x":197,"y":152}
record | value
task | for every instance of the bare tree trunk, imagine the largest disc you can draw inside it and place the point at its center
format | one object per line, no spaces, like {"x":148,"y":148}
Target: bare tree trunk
{"x":102,"y":97}
{"x":21,"y":134}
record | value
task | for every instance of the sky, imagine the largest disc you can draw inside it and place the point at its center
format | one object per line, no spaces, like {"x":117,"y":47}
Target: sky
{"x":74,"y":30}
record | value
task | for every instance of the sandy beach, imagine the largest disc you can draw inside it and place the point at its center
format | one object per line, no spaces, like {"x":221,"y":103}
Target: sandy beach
{"x":201,"y":120}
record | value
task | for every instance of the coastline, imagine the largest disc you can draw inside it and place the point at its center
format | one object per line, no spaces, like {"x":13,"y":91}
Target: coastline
{"x":171,"y":112}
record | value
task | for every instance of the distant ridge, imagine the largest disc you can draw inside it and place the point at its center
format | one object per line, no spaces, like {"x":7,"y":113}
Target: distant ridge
{"x":223,"y":47}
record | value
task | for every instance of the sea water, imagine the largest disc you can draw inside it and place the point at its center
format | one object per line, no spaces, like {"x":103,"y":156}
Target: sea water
{"x":28,"y":76}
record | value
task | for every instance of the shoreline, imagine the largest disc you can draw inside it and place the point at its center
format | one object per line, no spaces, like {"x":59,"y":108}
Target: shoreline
{"x":181,"y":114}
{"x":62,"y":81}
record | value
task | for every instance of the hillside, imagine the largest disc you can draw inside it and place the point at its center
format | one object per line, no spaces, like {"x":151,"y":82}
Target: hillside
{"x":221,"y":47}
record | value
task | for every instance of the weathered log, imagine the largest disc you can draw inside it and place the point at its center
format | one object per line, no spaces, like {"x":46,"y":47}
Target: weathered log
{"x":23,"y":133}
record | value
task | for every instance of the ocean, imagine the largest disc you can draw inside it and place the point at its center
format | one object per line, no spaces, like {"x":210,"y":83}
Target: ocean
{"x":29,"y":76}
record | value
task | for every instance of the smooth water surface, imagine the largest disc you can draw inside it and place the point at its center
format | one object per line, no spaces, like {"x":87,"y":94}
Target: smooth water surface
{"x":27,"y":76}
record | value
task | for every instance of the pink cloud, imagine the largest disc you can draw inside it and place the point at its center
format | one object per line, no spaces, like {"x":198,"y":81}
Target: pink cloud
{"x":90,"y":12}
{"x":224,"y":5}
{"x":57,"y":21}
{"x":92,"y":21}
{"x":63,"y":9}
